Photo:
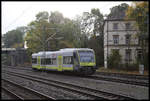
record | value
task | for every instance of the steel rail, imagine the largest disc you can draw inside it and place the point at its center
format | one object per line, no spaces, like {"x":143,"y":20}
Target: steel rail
{"x":38,"y":94}
{"x":12,"y":94}
{"x":59,"y":86}
{"x":118,"y":80}
{"x":123,"y":75}
{"x":93,"y":92}
{"x":130,"y":76}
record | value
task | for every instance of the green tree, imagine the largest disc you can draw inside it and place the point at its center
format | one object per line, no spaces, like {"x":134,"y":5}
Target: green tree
{"x":95,"y":43}
{"x":38,"y":32}
{"x":55,"y":25}
{"x":42,"y":16}
{"x":118,"y":12}
{"x":13,"y":39}
{"x":91,"y":27}
{"x":56,"y":18}
{"x":81,"y":31}
{"x":98,"y":23}
{"x":68,"y":29}
{"x":114,"y":59}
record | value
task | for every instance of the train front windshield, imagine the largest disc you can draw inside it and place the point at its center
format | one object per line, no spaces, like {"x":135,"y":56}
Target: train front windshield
{"x":86,"y":56}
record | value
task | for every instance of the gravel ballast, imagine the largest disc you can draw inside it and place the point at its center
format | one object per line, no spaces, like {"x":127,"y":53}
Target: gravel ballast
{"x":138,"y":92}
{"x":46,"y":89}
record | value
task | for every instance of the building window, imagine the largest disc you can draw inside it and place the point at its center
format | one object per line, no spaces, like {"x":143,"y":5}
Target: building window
{"x":116,"y":39}
{"x":128,"y":38}
{"x":115,"y":26}
{"x":128,"y":55}
{"x":139,"y":54}
{"x":128,"y":26}
{"x":48,"y":61}
{"x":53,"y":61}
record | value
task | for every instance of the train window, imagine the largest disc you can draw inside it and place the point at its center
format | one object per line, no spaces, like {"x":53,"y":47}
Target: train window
{"x":42,"y":61}
{"x":48,"y":61}
{"x":53,"y":61}
{"x":34,"y":60}
{"x":86,"y":56}
{"x":68,"y":60}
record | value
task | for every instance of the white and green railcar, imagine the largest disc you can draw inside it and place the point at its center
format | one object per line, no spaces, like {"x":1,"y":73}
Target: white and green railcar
{"x":80,"y":60}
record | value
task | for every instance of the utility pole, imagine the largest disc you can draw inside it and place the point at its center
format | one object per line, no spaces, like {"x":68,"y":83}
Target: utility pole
{"x":45,"y":46}
{"x":107,"y":48}
{"x":43,"y":40}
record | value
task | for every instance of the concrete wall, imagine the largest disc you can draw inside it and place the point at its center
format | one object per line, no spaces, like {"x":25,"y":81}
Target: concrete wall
{"x":18,"y":57}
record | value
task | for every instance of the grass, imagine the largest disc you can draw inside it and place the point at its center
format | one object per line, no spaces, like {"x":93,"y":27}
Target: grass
{"x":102,"y":69}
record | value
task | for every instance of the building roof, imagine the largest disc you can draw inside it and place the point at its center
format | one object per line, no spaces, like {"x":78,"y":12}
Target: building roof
{"x":118,"y":20}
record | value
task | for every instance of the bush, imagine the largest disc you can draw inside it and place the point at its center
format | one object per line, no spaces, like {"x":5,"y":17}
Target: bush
{"x":130,"y":67}
{"x":146,"y":61}
{"x":114,"y":60}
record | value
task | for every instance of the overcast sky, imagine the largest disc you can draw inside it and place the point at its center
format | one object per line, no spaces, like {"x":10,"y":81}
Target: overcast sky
{"x":16,"y":14}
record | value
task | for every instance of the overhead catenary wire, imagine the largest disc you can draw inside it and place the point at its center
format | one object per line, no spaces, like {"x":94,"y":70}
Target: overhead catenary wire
{"x":15,"y":20}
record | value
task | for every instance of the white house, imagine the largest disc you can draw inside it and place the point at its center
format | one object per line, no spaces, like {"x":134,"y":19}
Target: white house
{"x":121,"y":35}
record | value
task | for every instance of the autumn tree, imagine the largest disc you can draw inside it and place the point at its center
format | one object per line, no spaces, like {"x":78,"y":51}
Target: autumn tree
{"x":67,"y":28}
{"x":65,"y":32}
{"x":139,"y":11}
{"x":38,"y":32}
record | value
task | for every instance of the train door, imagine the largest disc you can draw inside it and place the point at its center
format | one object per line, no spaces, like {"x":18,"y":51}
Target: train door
{"x":59,"y":63}
{"x":76,"y":61}
{"x":38,"y":62}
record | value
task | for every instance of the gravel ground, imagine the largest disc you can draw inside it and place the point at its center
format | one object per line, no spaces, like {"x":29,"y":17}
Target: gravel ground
{"x":46,"y":89}
{"x":113,"y":77}
{"x":137,"y":92}
{"x":19,"y":91}
{"x":5,"y":96}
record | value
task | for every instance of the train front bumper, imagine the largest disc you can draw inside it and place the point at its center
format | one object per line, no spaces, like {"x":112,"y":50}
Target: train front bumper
{"x":87,"y":64}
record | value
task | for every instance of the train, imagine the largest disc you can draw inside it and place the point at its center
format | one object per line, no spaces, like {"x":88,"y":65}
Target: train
{"x":79,"y":60}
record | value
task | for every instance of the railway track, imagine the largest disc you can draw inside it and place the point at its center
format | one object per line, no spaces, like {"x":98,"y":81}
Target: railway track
{"x":120,"y":80}
{"x":130,"y":76}
{"x":11,"y":94}
{"x":21,"y":92}
{"x":133,"y":80}
{"x":85,"y":91}
{"x":21,"y":68}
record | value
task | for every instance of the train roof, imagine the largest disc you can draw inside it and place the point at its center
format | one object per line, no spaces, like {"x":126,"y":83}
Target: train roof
{"x":34,"y":54}
{"x":61,"y":51}
{"x":73,"y":49}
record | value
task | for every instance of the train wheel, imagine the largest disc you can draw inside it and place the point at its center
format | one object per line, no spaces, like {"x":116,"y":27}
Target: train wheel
{"x":92,"y":71}
{"x":89,"y":71}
